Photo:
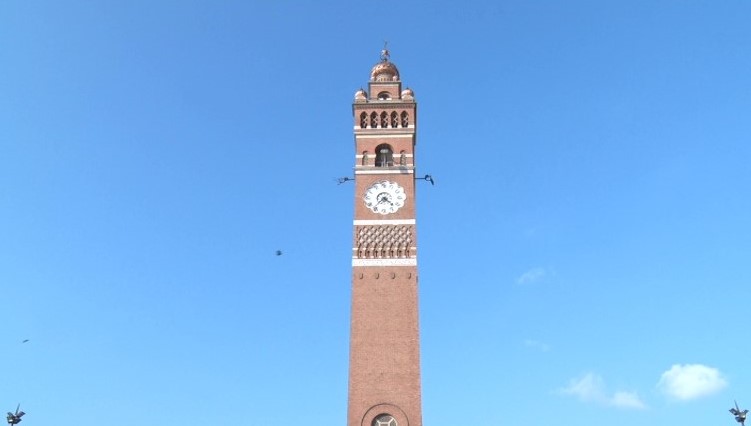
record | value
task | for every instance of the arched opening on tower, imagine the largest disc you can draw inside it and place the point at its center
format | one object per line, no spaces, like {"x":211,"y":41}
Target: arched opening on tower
{"x":405,"y":119}
{"x":384,"y":155}
{"x":384,"y":96}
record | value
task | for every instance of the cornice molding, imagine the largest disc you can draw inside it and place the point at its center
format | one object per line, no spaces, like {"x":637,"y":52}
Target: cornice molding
{"x":385,"y":172}
{"x":379,"y":105}
{"x":368,"y":133}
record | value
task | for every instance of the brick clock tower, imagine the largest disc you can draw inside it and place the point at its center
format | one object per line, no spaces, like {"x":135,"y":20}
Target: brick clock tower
{"x":384,"y":365}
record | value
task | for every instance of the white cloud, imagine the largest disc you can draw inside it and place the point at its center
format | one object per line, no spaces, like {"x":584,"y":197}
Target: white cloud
{"x":691,"y":381}
{"x":536,"y":344}
{"x":627,"y":400}
{"x":591,"y":388}
{"x":531,"y":276}
{"x":587,"y":388}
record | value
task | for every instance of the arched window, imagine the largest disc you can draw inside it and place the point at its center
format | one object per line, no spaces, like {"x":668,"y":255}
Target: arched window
{"x":373,"y":120}
{"x":384,"y":156}
{"x":384,"y":119}
{"x":384,"y":96}
{"x":402,"y":159}
{"x":394,"y":119}
{"x":365,"y":158}
{"x":405,"y":119}
{"x":363,"y":120}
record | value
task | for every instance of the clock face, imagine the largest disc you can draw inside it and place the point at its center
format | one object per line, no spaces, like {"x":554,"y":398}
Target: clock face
{"x":384,"y":197}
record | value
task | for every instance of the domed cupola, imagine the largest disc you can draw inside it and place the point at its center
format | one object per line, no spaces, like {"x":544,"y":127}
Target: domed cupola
{"x":384,"y":70}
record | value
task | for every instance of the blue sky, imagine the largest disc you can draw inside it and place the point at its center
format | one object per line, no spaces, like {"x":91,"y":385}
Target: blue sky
{"x":584,"y":254}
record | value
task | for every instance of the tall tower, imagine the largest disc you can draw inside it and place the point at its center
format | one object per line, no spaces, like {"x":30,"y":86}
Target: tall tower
{"x":384,"y":365}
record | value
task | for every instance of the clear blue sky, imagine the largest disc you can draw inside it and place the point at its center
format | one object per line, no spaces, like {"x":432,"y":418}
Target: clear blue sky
{"x":585,"y":252}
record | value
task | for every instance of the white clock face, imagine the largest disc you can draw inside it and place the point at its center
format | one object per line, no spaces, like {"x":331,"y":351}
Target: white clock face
{"x":384,"y":197}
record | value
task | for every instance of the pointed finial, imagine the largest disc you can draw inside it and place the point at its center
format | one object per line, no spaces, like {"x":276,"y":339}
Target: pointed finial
{"x":385,"y":52}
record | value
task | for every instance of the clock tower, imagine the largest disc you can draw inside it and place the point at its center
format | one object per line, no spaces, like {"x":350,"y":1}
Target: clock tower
{"x":384,"y":365}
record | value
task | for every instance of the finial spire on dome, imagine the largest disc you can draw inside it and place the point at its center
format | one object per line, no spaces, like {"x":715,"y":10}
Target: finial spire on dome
{"x":385,"y":70}
{"x":385,"y":55}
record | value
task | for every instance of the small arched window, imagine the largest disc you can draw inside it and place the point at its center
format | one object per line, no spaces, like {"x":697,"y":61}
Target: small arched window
{"x":384,"y":119}
{"x":384,"y":156}
{"x":405,"y":119}
{"x":384,"y":96}
{"x":363,"y":120}
{"x":365,"y":158}
{"x":373,"y":120}
{"x":394,"y":119}
{"x":402,"y":158}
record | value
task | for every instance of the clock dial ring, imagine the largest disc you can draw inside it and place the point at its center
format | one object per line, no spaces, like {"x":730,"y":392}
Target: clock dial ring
{"x":384,"y":197}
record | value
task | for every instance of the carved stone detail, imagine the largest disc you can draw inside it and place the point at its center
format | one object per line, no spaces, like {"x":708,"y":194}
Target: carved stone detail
{"x":383,"y":241}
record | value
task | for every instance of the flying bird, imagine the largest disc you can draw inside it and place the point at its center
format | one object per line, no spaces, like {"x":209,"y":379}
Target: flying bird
{"x":15,"y":418}
{"x":740,"y":415}
{"x":278,"y":252}
{"x":24,"y":340}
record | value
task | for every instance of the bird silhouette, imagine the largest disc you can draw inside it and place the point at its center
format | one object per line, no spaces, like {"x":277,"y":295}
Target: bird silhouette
{"x":740,"y":415}
{"x":15,"y":418}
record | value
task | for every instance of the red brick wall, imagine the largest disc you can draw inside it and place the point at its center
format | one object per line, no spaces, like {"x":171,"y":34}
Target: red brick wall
{"x":384,"y":370}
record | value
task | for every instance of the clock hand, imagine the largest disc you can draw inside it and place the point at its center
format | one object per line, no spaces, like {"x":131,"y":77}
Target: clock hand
{"x":385,"y":199}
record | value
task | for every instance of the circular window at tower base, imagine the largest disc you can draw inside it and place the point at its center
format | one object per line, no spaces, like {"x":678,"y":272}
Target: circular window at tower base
{"x":384,"y":420}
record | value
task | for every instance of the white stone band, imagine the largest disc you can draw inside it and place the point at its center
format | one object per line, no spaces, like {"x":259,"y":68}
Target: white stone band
{"x":384,"y":262}
{"x":385,"y":172}
{"x":383,"y":222}
{"x":383,"y":135}
{"x":413,"y":249}
{"x":396,"y":154}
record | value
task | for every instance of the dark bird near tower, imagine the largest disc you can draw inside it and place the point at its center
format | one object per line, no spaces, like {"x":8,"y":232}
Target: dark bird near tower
{"x":15,"y":418}
{"x":278,"y":252}
{"x":24,"y":340}
{"x":740,"y":415}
